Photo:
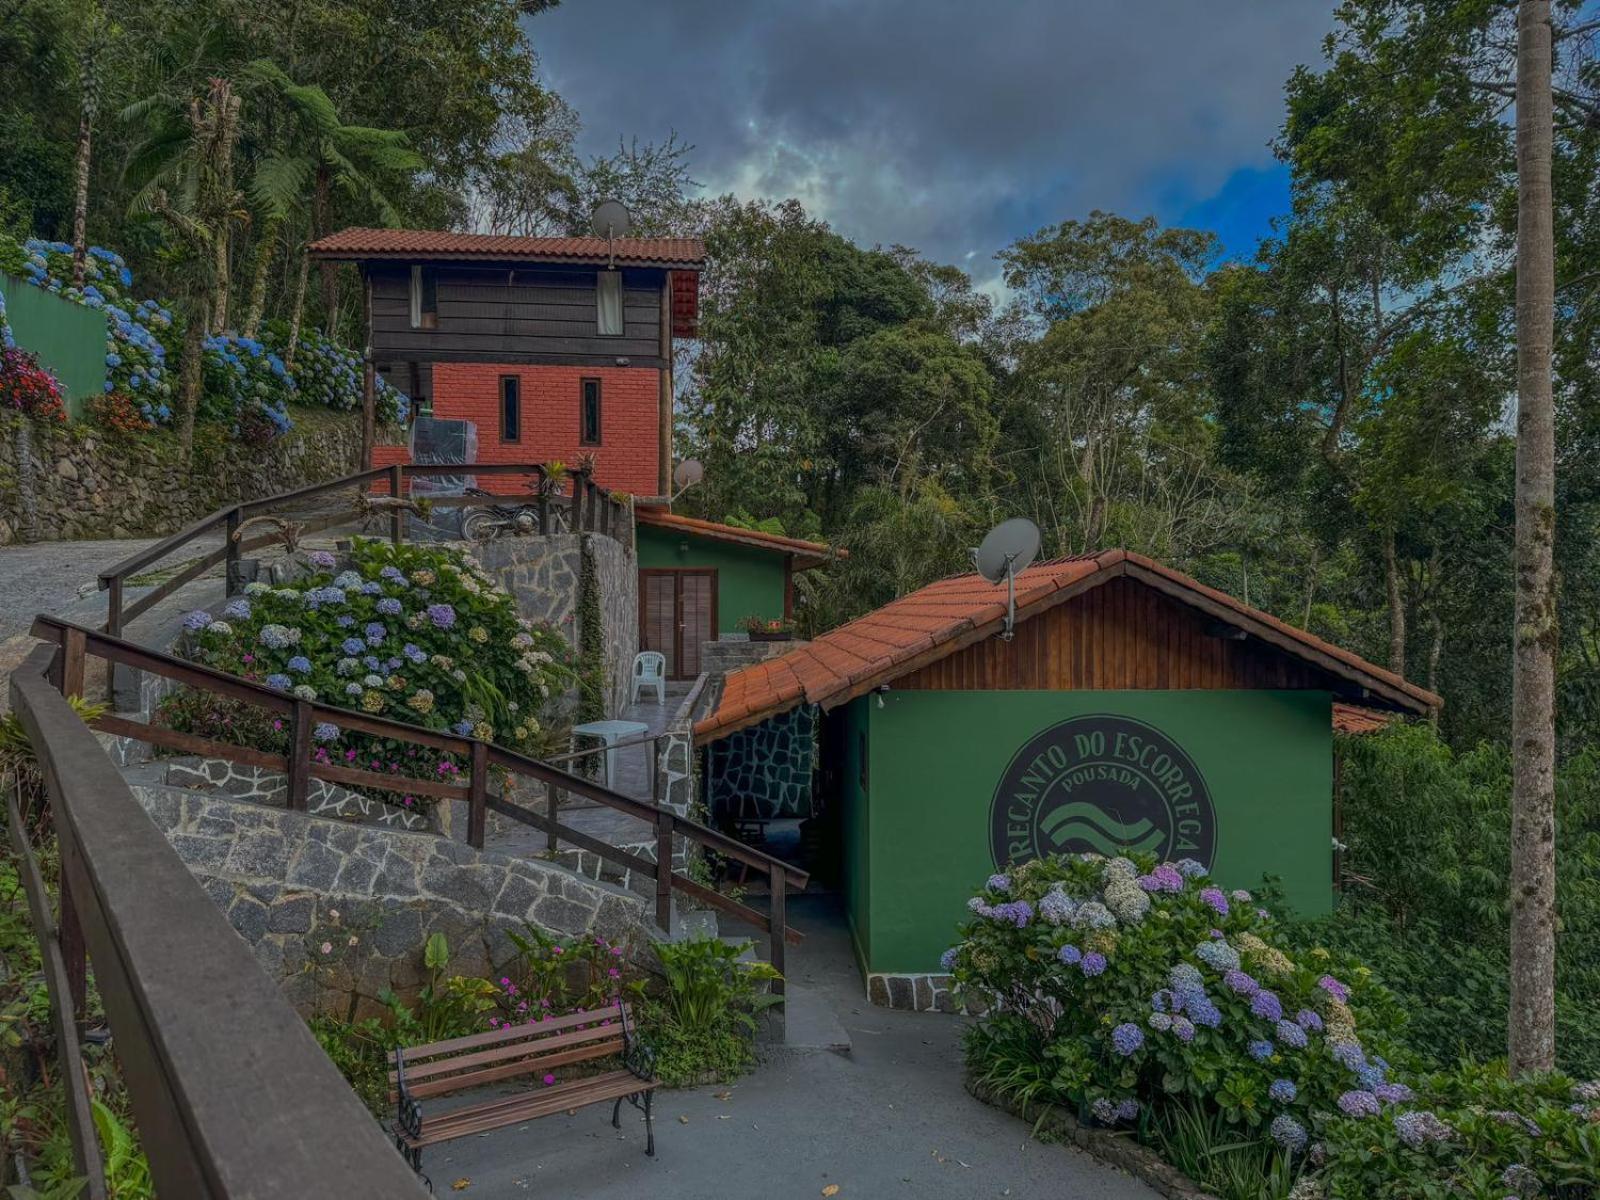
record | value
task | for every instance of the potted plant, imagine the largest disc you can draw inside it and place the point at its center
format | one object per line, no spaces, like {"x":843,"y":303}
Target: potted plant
{"x":768,"y":629}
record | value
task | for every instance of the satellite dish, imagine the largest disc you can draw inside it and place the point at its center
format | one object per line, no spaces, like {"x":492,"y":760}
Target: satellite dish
{"x":611,"y":220}
{"x":1010,"y":548}
{"x":688,"y":473}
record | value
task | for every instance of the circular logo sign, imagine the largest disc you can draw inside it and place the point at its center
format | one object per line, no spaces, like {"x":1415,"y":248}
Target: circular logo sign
{"x":1104,"y":784}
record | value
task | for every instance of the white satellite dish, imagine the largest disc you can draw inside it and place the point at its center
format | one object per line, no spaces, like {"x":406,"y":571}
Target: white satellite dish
{"x":1009,"y":549}
{"x":688,"y":473}
{"x":611,"y":220}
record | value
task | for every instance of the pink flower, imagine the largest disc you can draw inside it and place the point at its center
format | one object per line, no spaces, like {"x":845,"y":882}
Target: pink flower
{"x":327,"y":947}
{"x":277,"y":726}
{"x":614,"y":973}
{"x":557,"y":950}
{"x":549,"y":1079}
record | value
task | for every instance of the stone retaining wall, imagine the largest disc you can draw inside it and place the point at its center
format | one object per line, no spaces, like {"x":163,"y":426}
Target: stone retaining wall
{"x":77,"y":481}
{"x":338,"y":912}
{"x":263,"y":786}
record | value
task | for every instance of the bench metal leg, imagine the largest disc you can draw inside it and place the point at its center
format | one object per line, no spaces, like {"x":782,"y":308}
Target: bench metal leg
{"x":616,"y":1114}
{"x":649,"y":1126}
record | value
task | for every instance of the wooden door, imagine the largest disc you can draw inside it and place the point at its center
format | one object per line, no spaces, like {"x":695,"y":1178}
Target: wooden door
{"x":677,"y":615}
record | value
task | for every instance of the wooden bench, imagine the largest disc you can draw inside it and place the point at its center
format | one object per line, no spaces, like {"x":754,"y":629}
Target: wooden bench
{"x":446,"y":1068}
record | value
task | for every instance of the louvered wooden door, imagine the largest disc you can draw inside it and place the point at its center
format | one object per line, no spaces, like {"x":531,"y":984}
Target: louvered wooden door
{"x":677,"y":615}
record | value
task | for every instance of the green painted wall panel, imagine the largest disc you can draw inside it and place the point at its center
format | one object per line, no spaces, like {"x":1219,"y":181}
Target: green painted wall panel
{"x":749,"y":581}
{"x":853,"y":795}
{"x":68,"y":338}
{"x":1264,"y":758}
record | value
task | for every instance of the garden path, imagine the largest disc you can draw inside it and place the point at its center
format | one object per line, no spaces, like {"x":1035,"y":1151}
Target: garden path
{"x":889,"y":1119}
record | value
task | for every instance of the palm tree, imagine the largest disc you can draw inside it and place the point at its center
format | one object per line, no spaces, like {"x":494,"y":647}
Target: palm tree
{"x":307,"y":154}
{"x":89,"y":59}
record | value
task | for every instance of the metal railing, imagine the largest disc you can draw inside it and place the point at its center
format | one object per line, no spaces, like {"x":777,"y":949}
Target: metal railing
{"x":590,"y":509}
{"x":302,"y":716}
{"x":231,"y":1094}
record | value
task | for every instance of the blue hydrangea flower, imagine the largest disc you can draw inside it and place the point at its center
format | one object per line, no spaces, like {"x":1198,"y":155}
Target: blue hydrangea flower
{"x":1260,"y":1049}
{"x":237,"y":609}
{"x":1094,"y":963}
{"x":1358,"y":1104}
{"x":1288,"y":1133}
{"x":1185,"y":977}
{"x":352,"y":689}
{"x":1291,"y":1035}
{"x":1283,"y":1091}
{"x":1308,"y":1020}
{"x":371,"y":588}
{"x":1183,"y":1029}
{"x":1266,"y":1005}
{"x":393,"y":575}
{"x":300,"y":665}
{"x":1241,"y":983}
{"x":325,"y":732}
{"x":414,"y":653}
{"x":947,"y":960}
{"x":1393,"y":1093}
{"x":1127,"y":1110}
{"x":196,"y":620}
{"x":375,"y":633}
{"x":1127,"y":1038}
{"x":464,"y":728}
{"x":281,"y":682}
{"x":1201,"y":1011}
{"x":345,"y":621}
{"x":1417,"y":1129}
{"x":1159,"y":1021}
{"x":1189,"y":869}
{"x":348,"y":579}
{"x":1070,"y":955}
{"x":443,"y":616}
{"x":389,"y":606}
{"x":1348,"y":1055}
{"x":996,"y":883}
{"x":1219,"y":956}
{"x":352,"y":646}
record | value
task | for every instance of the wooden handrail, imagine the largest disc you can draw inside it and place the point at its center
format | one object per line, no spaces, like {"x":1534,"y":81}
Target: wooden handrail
{"x":306,"y":713}
{"x":231,"y":1094}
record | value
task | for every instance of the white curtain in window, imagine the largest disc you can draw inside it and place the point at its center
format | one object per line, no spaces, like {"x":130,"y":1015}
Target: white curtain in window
{"x":416,"y":297}
{"x":610,"y":302}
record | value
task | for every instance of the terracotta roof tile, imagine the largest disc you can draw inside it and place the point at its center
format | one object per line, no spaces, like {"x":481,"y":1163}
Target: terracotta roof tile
{"x":1352,"y":718}
{"x":807,"y":554}
{"x":682,"y":253}
{"x":908,"y":632}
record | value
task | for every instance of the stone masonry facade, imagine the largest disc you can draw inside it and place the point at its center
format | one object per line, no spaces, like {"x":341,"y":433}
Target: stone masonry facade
{"x":77,"y":481}
{"x":337,"y":913}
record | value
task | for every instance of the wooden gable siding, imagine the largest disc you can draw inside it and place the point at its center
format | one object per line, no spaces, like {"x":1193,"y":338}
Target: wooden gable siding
{"x":515,"y":314}
{"x":1121,"y":635}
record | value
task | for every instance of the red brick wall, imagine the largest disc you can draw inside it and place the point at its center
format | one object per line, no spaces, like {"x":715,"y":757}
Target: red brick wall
{"x":625,"y":460}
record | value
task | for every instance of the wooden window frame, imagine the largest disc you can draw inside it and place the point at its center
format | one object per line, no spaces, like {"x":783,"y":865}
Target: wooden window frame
{"x":599,"y":411}
{"x":622,"y":304}
{"x":505,"y":437}
{"x":422,"y":281}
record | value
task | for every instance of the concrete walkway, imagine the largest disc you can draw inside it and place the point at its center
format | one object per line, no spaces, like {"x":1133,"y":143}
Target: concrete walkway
{"x":890,"y":1119}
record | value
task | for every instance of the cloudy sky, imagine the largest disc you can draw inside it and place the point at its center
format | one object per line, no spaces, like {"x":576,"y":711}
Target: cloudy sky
{"x":952,"y":127}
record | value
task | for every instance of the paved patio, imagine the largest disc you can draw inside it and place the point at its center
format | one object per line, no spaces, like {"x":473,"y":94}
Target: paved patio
{"x":889,"y":1119}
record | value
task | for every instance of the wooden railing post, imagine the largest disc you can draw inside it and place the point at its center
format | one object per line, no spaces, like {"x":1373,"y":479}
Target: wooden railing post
{"x":70,"y":662}
{"x":552,"y":809}
{"x":780,"y":922}
{"x":74,"y":955}
{"x":664,"y":871}
{"x":230,"y":544}
{"x":541,"y":481}
{"x":114,"y":629}
{"x":397,"y":516}
{"x":655,"y":771}
{"x":300,"y":757}
{"x":577,"y":502}
{"x":478,"y":795}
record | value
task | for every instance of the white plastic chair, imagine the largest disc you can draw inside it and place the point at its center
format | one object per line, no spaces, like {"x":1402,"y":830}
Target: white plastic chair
{"x":650,"y":671}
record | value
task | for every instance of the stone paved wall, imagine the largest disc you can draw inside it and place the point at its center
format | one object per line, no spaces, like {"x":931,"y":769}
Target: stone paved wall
{"x":76,"y":481}
{"x":765,"y":770}
{"x":291,"y":884}
{"x":323,"y":799}
{"x":542,"y":573}
{"x":912,"y":993}
{"x":734,"y":650}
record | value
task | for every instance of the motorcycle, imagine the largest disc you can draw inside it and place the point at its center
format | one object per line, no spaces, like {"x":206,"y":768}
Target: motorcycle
{"x":485,"y":523}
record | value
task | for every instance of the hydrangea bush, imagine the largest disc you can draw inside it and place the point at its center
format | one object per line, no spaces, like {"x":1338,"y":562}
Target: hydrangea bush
{"x":1127,"y":989}
{"x":414,"y":633}
{"x":328,"y":374}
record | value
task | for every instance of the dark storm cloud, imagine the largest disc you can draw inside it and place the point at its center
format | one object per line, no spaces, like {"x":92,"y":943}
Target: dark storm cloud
{"x":951,"y":127}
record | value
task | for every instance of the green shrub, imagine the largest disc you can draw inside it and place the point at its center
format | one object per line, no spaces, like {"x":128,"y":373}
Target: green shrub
{"x":703,"y":1025}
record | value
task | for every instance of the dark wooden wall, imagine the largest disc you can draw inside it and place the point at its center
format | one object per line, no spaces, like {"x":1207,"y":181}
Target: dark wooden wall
{"x":511,"y":315}
{"x":1121,"y":635}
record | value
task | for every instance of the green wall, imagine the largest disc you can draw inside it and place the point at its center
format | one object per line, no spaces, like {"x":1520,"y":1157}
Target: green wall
{"x":749,"y":581}
{"x":936,"y":758}
{"x":69,"y":338}
{"x":853,"y":821}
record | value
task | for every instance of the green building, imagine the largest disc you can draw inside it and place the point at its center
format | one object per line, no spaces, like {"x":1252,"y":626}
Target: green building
{"x":700,"y":581}
{"x":1130,"y":707}
{"x":68,"y":338}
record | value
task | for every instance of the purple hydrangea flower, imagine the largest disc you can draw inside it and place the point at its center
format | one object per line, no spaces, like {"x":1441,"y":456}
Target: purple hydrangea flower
{"x":345,"y":621}
{"x":414,"y":653}
{"x":391,"y":664}
{"x":947,"y":960}
{"x":1070,"y":955}
{"x":1104,"y":1111}
{"x":1358,"y":1104}
{"x":1283,"y":1091}
{"x":352,"y":646}
{"x":1159,"y":1021}
{"x":325,"y":731}
{"x":1093,"y":963}
{"x":1291,"y":1035}
{"x":281,"y":682}
{"x":1127,"y":1038}
{"x":1288,"y":1133}
{"x":463,"y":727}
{"x":443,"y":616}
{"x":1308,"y":1020}
{"x":196,"y":620}
{"x":1188,"y":868}
{"x":995,"y":883}
{"x":300,"y":665}
{"x":1219,"y":956}
{"x":373,"y":662}
{"x":1241,"y":983}
{"x":1057,"y":907}
{"x":1213,"y":898}
{"x":1012,"y":912}
{"x":1334,"y":988}
{"x":389,"y":606}
{"x":321,"y":559}
{"x":1266,"y":1005}
{"x":1348,"y":1055}
{"x":1183,"y":1028}
{"x":375,"y":633}
{"x":1185,"y":977}
{"x":1393,"y":1093}
{"x":352,"y":689}
{"x":1260,"y":1049}
{"x":1370,"y":1076}
{"x":1417,"y":1129}
{"x":1201,"y":1011}
{"x":373,"y":588}
{"x":1163,"y":1000}
{"x":393,"y":575}
{"x":237,"y":609}
{"x":1127,"y":1110}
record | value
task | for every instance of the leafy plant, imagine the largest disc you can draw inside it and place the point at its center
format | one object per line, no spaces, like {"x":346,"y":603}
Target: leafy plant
{"x":703,"y":1024}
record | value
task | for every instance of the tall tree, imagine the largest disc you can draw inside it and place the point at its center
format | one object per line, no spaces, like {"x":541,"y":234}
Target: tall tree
{"x":1533,"y":818}
{"x":90,"y":53}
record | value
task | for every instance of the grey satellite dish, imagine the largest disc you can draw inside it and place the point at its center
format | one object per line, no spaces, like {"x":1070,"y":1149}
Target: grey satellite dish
{"x":1009,"y":549}
{"x":688,"y":473}
{"x":611,"y":220}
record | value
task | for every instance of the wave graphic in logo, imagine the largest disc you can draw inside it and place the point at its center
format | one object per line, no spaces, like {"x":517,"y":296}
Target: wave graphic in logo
{"x":1087,"y":825}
